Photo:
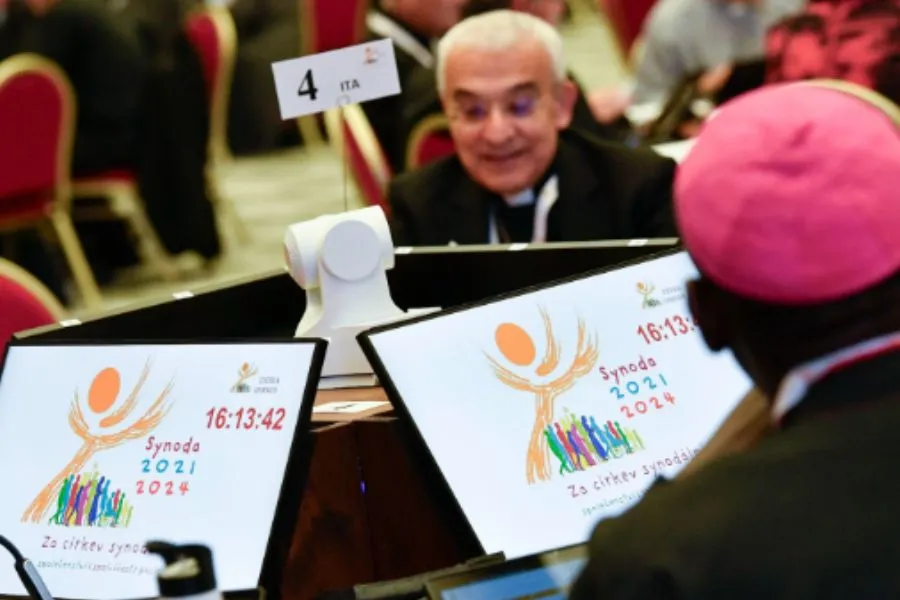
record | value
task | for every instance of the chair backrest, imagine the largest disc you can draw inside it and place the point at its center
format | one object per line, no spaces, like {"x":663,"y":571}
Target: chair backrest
{"x":626,"y":17}
{"x":25,"y":303}
{"x":332,"y":24}
{"x":37,"y":123}
{"x":354,"y":140}
{"x":212,"y":33}
{"x":429,"y":141}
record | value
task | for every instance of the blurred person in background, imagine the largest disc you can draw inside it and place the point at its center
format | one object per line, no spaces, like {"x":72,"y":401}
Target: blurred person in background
{"x":141,"y":108}
{"x":851,"y":40}
{"x":517,"y":176}
{"x":413,"y":26}
{"x":267,"y":32}
{"x":682,"y":38}
{"x":102,"y":57}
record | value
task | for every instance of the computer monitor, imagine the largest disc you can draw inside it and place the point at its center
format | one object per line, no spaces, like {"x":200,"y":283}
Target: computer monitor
{"x":545,"y":576}
{"x":104,"y":447}
{"x":272,"y":304}
{"x":449,"y":276}
{"x":551,"y":408}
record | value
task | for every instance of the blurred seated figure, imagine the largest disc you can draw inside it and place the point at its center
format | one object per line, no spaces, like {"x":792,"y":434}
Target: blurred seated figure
{"x":141,"y":108}
{"x":267,"y":32}
{"x":516,"y":178}
{"x":787,"y":205}
{"x":413,"y":26}
{"x":423,"y":100}
{"x":685,"y":37}
{"x":853,"y":40}
{"x":102,"y":58}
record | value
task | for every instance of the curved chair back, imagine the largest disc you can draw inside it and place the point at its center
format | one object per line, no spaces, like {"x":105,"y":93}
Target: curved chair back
{"x":332,"y":24}
{"x":430,"y":140}
{"x":212,"y":33}
{"x":25,"y":303}
{"x":37,"y":116}
{"x":354,"y":140}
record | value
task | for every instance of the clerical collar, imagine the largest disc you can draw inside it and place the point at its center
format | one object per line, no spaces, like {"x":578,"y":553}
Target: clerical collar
{"x":529,"y":196}
{"x":796,"y":384}
{"x":404,"y":38}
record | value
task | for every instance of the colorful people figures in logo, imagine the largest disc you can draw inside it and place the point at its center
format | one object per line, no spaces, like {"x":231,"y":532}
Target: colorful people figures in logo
{"x":102,"y":398}
{"x":518,"y":348}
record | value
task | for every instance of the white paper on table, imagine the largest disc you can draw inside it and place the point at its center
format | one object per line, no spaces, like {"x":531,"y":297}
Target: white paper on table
{"x":348,"y":407}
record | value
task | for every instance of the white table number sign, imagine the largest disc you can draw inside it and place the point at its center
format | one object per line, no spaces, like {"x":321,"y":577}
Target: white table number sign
{"x":315,"y":83}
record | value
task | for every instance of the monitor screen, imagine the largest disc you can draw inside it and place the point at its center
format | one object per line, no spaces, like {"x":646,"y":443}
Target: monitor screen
{"x":547,"y":576}
{"x":551,"y":409}
{"x":106,"y":447}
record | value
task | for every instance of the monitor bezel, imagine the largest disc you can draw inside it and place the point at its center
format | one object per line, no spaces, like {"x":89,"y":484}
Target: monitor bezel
{"x":297,"y":466}
{"x":437,"y":586}
{"x":419,"y":447}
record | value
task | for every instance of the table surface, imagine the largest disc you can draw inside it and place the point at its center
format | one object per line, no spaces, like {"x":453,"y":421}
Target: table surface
{"x":368,"y":394}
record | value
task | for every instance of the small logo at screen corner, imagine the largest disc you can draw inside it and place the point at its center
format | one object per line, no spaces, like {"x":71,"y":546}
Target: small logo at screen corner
{"x":245,"y":373}
{"x":647,"y":290}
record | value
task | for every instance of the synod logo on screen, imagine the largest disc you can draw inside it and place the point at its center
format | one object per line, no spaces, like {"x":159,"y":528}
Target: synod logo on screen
{"x":245,"y":374}
{"x":250,"y":381}
{"x":577,"y":442}
{"x":651,"y":298}
{"x":76,"y":497}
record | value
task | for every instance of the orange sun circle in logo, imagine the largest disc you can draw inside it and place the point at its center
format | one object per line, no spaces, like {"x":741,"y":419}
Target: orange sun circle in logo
{"x":104,"y":390}
{"x":515,"y":344}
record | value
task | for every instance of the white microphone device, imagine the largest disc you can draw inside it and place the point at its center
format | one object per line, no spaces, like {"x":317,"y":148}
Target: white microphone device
{"x":341,"y":262}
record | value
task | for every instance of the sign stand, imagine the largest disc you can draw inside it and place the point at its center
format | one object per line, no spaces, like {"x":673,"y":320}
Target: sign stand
{"x":343,"y":102}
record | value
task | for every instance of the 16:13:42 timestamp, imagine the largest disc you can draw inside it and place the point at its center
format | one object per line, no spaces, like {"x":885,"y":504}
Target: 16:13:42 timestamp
{"x":247,"y":418}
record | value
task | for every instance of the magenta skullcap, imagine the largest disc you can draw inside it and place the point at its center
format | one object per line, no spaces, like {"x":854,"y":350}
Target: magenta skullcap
{"x":791,"y":195}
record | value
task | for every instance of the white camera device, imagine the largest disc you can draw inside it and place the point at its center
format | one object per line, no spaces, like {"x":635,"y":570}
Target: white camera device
{"x":341,"y":261}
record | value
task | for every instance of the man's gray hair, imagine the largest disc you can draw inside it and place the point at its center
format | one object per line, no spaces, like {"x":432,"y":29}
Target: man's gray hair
{"x":500,"y":30}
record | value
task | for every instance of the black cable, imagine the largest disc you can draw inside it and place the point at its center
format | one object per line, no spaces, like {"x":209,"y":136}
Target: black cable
{"x":12,"y":549}
{"x":27,"y":572}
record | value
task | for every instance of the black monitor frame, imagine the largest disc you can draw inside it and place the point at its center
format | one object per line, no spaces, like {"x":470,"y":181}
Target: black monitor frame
{"x":271,"y":304}
{"x":297,"y":467}
{"x":418,"y":446}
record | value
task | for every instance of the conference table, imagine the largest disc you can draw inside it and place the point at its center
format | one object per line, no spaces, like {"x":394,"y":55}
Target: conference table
{"x":368,"y":512}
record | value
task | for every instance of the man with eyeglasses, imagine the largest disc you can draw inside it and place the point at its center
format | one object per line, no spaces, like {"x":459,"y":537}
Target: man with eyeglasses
{"x":519,"y":175}
{"x":423,"y":101}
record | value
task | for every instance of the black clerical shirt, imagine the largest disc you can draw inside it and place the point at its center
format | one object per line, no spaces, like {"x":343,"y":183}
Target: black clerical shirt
{"x":515,"y":224}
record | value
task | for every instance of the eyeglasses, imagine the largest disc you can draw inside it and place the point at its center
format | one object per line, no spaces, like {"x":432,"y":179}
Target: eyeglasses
{"x":476,"y":112}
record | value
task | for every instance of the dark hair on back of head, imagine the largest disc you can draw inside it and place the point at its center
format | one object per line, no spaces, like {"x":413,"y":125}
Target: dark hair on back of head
{"x":814,"y":331}
{"x":477,"y":7}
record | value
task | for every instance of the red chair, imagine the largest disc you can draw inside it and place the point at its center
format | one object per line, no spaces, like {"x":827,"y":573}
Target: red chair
{"x":626,"y":17}
{"x":430,"y":140}
{"x":37,"y":123}
{"x":332,"y":24}
{"x":25,"y":303}
{"x":353,"y":139}
{"x":328,"y":25}
{"x":214,"y":38}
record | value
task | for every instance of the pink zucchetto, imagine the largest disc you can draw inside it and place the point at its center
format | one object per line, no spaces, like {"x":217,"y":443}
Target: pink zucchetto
{"x":791,"y":195}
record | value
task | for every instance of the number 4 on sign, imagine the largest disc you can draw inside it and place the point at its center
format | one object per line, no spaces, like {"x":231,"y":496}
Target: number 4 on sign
{"x":319,"y":82}
{"x":308,"y":86}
